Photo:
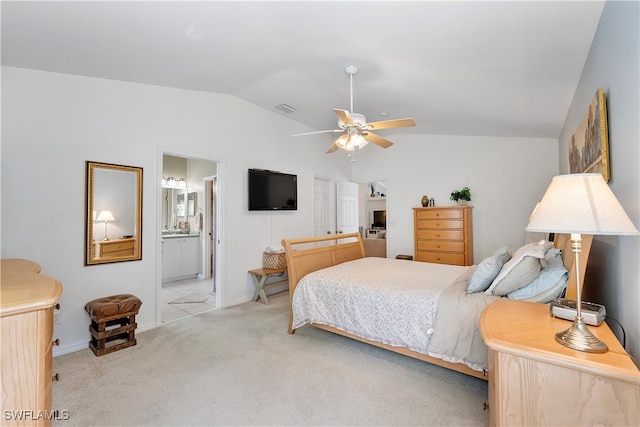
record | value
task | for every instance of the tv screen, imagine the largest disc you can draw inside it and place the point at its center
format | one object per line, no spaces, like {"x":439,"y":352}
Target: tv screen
{"x":270,"y":190}
{"x":380,"y":219}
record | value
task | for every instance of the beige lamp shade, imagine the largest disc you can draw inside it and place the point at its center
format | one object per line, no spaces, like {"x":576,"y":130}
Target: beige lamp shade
{"x":105,"y":216}
{"x":580,"y":204}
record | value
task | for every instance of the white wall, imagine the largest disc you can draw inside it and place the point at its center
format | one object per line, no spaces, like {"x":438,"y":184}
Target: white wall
{"x":613,"y":271}
{"x":507,"y":177}
{"x":52,"y":123}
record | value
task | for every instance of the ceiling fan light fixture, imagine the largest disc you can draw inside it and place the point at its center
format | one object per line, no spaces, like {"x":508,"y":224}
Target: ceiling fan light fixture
{"x":357,"y":141}
{"x":342,"y":141}
{"x":351,"y":141}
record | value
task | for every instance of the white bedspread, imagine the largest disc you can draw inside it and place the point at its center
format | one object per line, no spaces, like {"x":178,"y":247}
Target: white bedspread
{"x":386,"y":300}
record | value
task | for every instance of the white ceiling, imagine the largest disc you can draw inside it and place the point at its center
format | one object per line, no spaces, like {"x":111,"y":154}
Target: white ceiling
{"x":506,"y":68}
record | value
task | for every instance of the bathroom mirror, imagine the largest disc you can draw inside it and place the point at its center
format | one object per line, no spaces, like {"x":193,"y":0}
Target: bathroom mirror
{"x":180,"y":204}
{"x":113,"y":214}
{"x":191,"y":204}
{"x":173,"y":207}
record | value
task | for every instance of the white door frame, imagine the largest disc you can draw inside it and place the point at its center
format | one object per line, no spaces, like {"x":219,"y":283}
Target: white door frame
{"x":209,"y":228}
{"x":219,"y":252}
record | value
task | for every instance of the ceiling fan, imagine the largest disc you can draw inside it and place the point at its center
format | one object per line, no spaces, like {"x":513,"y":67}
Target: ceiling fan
{"x":356,"y":131}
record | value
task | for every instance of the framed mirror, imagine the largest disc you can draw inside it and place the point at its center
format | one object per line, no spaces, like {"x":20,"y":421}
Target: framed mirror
{"x":113,"y":214}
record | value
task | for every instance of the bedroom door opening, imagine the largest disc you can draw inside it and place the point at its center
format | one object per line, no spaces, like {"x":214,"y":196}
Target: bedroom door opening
{"x":189,"y":255}
{"x":373,"y":219}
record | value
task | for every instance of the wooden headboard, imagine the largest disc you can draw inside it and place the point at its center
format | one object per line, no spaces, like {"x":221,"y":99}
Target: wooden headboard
{"x":563,"y":241}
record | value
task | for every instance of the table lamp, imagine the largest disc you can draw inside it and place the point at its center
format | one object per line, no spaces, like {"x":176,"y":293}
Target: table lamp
{"x":105,"y":216}
{"x":580,"y":204}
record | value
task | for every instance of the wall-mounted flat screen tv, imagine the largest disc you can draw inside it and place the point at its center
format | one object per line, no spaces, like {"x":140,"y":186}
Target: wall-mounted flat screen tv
{"x":271,"y":191}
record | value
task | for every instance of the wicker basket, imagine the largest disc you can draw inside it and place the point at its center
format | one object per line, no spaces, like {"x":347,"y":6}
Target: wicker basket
{"x":274,"y":261}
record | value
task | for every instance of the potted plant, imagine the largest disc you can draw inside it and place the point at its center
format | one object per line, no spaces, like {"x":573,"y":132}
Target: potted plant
{"x":462,"y":197}
{"x":372,"y":185}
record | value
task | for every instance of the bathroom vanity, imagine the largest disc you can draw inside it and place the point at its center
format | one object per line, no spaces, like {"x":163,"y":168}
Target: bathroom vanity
{"x":180,"y":256}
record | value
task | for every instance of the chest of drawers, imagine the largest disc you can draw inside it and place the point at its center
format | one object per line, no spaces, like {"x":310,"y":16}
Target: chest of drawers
{"x":115,"y":248}
{"x":27,"y":299}
{"x":443,"y":235}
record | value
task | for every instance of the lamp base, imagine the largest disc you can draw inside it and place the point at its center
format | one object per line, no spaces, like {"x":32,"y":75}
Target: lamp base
{"x":579,"y":337}
{"x":106,"y":239}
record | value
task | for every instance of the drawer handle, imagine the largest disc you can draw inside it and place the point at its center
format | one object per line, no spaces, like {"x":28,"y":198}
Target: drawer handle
{"x":438,"y":246}
{"x":437,"y":214}
{"x":56,"y":342}
{"x":437,"y":235}
{"x":438,"y":258}
{"x":56,"y":377}
{"x":485,"y":406}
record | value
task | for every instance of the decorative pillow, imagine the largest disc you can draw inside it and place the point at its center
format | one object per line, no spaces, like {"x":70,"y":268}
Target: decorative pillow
{"x":519,"y":271}
{"x":549,"y":284}
{"x":487,"y":270}
{"x":503,"y":253}
{"x":482,"y":277}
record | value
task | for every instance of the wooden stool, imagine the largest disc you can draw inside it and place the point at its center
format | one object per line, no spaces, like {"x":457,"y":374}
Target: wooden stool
{"x":113,"y":322}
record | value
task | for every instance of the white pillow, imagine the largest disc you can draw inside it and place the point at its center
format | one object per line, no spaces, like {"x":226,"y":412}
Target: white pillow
{"x":519,"y":271}
{"x":487,"y":270}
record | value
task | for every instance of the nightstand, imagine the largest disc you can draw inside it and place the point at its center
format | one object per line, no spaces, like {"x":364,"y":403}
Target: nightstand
{"x":533,"y":380}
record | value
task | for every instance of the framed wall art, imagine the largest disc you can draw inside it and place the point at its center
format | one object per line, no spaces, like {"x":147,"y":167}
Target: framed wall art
{"x":589,"y":145}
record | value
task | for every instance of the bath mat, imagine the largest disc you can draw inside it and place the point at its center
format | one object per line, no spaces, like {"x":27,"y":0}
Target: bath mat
{"x":191,"y":296}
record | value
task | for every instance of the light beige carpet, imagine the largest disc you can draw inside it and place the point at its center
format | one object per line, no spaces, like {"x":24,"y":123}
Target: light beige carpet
{"x":238,"y":366}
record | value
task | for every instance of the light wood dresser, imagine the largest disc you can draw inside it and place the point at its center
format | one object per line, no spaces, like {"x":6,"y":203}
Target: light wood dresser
{"x":533,"y":380}
{"x":443,"y":235}
{"x":27,"y":300}
{"x":115,"y":248}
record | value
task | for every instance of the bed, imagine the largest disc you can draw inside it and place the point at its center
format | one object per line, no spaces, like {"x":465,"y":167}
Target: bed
{"x":422,"y":310}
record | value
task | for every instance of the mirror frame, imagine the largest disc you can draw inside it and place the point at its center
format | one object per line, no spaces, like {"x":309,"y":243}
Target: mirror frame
{"x":89,"y":243}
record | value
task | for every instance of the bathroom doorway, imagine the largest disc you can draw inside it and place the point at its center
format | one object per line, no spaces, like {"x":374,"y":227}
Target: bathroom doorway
{"x":189,"y":280}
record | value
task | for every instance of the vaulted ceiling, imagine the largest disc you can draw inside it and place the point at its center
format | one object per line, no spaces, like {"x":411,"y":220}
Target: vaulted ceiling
{"x":504,"y":68}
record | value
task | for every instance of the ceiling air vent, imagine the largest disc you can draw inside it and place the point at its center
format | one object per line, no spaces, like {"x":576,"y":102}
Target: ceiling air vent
{"x":286,"y":108}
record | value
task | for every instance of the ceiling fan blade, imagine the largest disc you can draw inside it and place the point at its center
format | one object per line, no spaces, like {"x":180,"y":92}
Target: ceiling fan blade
{"x":389,"y":124}
{"x":375,"y":139}
{"x":320,"y":131}
{"x":333,"y":148}
{"x":344,"y":116}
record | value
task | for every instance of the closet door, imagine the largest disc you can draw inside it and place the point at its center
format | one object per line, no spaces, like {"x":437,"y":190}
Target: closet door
{"x":346,"y":207}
